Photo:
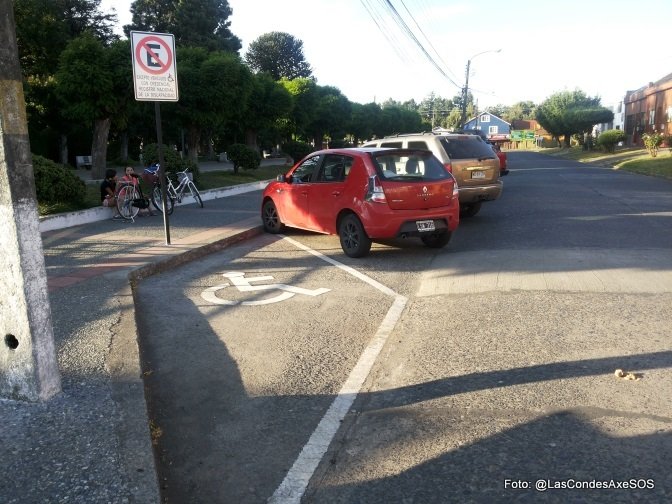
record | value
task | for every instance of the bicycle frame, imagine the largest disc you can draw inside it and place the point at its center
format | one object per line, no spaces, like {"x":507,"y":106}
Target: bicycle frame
{"x":176,"y":193}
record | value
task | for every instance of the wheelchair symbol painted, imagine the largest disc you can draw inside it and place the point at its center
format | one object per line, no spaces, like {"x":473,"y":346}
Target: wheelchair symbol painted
{"x":243,"y":284}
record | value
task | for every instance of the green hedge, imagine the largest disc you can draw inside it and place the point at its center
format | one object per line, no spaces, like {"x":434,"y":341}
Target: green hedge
{"x":243,"y":157}
{"x":56,"y":184}
{"x":608,"y":140}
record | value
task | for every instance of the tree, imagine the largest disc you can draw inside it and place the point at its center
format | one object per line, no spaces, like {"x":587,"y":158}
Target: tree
{"x":332,"y":115}
{"x":435,"y":110}
{"x":278,"y":54}
{"x":195,"y":23}
{"x":44,"y":28}
{"x":571,"y":112}
{"x":363,"y":121}
{"x":305,"y":97}
{"x":214,"y":90}
{"x":269,"y":103}
{"x":94,"y":101}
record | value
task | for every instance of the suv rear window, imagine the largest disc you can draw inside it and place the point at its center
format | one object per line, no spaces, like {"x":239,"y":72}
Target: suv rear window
{"x":467,"y":148}
{"x":406,"y":166}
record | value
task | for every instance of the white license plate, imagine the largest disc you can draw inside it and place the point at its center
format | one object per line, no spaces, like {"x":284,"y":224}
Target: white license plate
{"x":477,"y":174}
{"x":425,"y":225}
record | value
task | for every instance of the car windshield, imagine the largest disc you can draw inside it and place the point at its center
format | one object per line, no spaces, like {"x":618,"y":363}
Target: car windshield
{"x":467,"y":148}
{"x":406,"y":166}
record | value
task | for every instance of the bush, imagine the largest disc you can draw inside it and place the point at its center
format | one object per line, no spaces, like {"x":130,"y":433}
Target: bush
{"x":608,"y":140}
{"x":297,"y":150}
{"x":243,"y":156}
{"x":652,"y":141}
{"x":172,"y":159}
{"x":57,"y":184}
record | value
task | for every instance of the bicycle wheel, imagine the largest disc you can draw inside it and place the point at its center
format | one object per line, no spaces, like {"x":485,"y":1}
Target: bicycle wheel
{"x":156,"y":200}
{"x":125,"y":197}
{"x":195,"y":194}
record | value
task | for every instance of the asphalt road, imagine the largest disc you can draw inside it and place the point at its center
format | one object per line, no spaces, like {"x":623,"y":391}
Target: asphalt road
{"x":483,"y":372}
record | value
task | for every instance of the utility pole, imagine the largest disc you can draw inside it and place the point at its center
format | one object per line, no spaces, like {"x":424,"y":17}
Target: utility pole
{"x":465,"y":94}
{"x":465,"y":89}
{"x":28,"y":364}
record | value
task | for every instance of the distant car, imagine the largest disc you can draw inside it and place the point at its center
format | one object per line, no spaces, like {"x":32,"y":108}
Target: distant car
{"x":470,"y":159}
{"x":363,"y":195}
{"x":503,"y":169}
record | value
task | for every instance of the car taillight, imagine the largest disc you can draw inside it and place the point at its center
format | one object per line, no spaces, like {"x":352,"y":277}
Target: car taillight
{"x":449,"y":167}
{"x":375,"y":191}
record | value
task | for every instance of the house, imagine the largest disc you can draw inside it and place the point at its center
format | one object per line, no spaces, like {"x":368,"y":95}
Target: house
{"x":618,"y":123}
{"x":492,"y":126}
{"x":649,"y":109}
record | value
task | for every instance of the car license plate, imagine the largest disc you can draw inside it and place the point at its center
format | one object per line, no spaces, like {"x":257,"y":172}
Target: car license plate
{"x":425,"y":225}
{"x":477,"y":174}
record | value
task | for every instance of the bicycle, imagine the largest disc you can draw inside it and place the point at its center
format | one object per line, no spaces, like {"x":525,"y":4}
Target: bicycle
{"x":128,"y":198}
{"x":186,"y":181}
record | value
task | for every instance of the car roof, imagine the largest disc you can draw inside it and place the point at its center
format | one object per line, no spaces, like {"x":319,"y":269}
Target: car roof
{"x":428,"y":134}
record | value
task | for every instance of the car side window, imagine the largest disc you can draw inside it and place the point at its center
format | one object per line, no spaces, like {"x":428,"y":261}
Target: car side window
{"x":396,"y":145}
{"x":305,"y":171}
{"x":334,"y":168}
{"x":418,"y":144}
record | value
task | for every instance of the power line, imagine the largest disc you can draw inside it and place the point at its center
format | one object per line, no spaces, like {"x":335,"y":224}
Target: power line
{"x":427,"y":39}
{"x":404,"y":27}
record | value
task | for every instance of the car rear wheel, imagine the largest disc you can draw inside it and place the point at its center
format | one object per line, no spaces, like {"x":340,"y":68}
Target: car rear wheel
{"x":354,"y":240}
{"x":470,"y":210}
{"x":436,"y":240}
{"x":270,"y":218}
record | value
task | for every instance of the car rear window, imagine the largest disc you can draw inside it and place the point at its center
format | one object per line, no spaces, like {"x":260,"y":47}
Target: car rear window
{"x":467,"y":148}
{"x":405,"y":166}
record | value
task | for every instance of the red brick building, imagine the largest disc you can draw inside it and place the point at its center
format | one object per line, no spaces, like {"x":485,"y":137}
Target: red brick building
{"x":649,"y":109}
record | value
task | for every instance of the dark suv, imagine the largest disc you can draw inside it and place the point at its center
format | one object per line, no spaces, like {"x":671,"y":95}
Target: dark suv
{"x":471,"y":160}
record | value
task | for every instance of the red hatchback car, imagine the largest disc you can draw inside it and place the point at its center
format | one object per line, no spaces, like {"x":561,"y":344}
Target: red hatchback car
{"x":365,"y":194}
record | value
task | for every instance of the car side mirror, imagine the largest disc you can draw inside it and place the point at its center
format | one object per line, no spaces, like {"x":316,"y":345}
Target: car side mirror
{"x":281,"y":178}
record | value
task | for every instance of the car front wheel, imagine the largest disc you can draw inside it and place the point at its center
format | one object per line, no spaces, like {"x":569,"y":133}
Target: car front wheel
{"x":354,"y":240}
{"x":271,"y":219}
{"x":437,"y":240}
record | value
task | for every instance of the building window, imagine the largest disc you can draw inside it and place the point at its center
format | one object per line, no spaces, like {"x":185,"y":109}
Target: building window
{"x":652,"y":117}
{"x":485,"y":118}
{"x":669,"y":114}
{"x":493,"y":130}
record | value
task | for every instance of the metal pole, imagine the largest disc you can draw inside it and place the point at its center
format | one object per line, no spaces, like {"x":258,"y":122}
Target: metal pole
{"x":162,"y":172}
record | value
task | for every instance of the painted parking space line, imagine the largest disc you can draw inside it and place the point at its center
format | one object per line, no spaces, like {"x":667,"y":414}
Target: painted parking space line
{"x":296,"y":481}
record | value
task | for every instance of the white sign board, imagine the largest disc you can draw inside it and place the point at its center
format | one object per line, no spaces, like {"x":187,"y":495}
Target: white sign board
{"x":154,"y":69}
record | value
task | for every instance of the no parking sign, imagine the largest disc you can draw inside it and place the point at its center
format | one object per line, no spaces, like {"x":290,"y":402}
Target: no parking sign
{"x":154,"y":70}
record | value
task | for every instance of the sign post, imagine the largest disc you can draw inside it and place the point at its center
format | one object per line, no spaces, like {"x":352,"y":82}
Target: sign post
{"x":155,"y":79}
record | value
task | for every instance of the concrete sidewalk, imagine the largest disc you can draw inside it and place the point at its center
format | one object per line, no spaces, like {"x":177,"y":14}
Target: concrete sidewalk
{"x":92,"y":442}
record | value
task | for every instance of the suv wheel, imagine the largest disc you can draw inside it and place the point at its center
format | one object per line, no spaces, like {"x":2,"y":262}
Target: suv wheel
{"x":438,"y":240}
{"x":470,"y":210}
{"x":354,"y":240}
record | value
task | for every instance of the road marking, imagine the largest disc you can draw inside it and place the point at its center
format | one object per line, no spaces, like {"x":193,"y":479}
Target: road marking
{"x":243,"y":284}
{"x":347,"y":269}
{"x":296,"y":481}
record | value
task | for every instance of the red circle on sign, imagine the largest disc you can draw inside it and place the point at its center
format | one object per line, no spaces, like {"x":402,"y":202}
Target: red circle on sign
{"x":142,"y":44}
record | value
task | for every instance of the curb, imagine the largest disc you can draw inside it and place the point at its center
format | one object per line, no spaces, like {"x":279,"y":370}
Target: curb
{"x":96,"y":214}
{"x":127,"y":373}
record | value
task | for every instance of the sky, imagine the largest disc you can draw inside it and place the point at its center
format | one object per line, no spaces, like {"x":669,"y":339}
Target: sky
{"x":602,"y":47}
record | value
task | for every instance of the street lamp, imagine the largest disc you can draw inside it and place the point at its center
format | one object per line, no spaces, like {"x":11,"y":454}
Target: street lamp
{"x":465,"y":89}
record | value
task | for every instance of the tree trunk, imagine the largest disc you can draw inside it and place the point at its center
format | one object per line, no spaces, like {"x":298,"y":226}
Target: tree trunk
{"x":101,"y":130}
{"x":123,"y":147}
{"x":63,"y":148}
{"x":568,"y":139}
{"x":251,"y":139}
{"x":193,"y":139}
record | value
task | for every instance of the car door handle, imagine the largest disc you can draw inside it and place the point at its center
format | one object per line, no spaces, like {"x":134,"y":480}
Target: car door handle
{"x":336,"y":193}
